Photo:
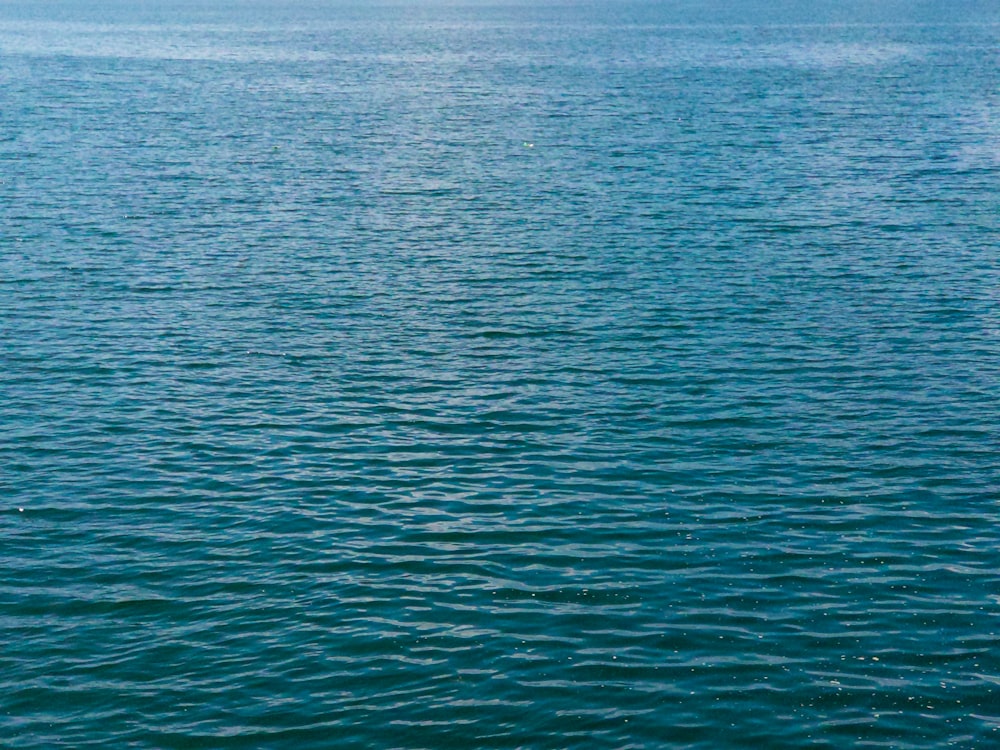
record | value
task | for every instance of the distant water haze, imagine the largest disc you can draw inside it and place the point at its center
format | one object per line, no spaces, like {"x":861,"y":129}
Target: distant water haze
{"x":499,"y":375}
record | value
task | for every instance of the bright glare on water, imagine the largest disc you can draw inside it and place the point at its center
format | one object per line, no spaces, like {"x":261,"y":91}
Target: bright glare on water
{"x":499,"y":375}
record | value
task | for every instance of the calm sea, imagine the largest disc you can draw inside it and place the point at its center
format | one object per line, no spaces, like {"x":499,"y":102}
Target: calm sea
{"x":499,"y":375}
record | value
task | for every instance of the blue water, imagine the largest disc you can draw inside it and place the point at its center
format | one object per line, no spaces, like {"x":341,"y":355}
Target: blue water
{"x":499,"y":375}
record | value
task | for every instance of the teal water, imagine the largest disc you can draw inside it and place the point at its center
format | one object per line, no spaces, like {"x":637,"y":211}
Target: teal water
{"x":453,"y":374}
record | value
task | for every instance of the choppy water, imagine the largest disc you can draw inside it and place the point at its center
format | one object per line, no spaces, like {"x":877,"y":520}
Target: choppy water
{"x":464,"y":375}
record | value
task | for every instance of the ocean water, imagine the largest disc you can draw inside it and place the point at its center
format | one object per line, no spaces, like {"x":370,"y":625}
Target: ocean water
{"x":499,"y":375}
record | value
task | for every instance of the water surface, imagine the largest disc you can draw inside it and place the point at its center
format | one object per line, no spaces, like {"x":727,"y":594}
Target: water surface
{"x":499,"y":375}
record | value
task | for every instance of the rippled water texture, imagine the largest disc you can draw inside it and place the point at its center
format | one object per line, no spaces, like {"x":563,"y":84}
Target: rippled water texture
{"x":465,"y":375}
